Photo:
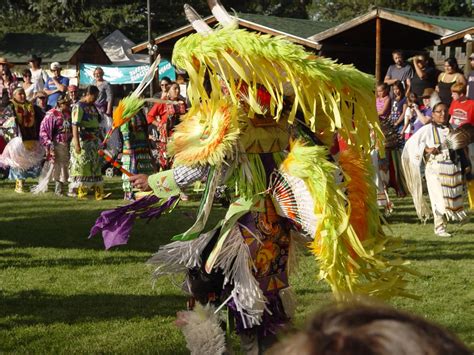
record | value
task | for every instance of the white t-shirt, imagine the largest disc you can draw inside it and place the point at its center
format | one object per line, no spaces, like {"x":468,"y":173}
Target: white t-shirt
{"x":38,"y":78}
{"x":409,"y":114}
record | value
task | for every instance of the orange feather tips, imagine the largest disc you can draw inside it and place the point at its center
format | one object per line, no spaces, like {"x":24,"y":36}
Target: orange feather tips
{"x":206,"y":136}
{"x":126,"y":109}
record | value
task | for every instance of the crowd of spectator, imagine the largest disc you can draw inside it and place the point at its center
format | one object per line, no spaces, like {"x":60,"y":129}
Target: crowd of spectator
{"x":70,"y":124}
{"x":405,"y":103}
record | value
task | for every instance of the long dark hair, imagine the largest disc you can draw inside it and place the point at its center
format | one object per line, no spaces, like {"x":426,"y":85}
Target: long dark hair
{"x":400,"y":86}
{"x":453,"y":63}
{"x":90,"y":90}
{"x":8,"y":73}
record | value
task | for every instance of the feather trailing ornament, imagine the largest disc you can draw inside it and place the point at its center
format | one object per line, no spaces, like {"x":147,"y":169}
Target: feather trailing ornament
{"x":461,"y":137}
{"x":348,"y":263}
{"x":202,"y":330}
{"x":44,"y":178}
{"x":116,"y":224}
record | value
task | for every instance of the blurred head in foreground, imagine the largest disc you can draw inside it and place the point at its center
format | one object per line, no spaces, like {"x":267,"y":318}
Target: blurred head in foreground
{"x":370,"y":330}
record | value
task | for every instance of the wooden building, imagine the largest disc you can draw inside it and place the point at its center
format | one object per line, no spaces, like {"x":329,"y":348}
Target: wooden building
{"x":67,"y":48}
{"x":295,"y":30}
{"x":368,"y":40}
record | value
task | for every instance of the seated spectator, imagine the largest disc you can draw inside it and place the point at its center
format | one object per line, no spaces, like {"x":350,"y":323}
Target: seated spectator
{"x":370,"y":330}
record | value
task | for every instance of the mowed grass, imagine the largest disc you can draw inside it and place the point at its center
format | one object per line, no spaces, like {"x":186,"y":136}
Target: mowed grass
{"x":60,"y":292}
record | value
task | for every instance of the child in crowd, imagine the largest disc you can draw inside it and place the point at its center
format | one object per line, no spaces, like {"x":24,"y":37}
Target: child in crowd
{"x":398,"y":102}
{"x":410,"y":115}
{"x":383,"y":100}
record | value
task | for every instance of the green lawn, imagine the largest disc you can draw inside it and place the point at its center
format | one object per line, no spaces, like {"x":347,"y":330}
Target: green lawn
{"x":62,"y":293}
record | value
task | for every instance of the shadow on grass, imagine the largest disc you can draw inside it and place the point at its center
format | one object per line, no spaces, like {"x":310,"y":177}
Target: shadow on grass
{"x":403,"y":218}
{"x":69,"y":228}
{"x":436,"y":249}
{"x":27,"y":262}
{"x":36,"y":307}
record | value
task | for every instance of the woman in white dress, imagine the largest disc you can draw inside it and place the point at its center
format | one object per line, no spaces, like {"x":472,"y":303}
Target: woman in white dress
{"x":443,"y":173}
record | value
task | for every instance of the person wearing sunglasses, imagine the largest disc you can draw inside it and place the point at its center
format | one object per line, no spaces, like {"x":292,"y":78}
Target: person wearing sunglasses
{"x":7,"y":81}
{"x":165,"y":84}
{"x":442,"y":172}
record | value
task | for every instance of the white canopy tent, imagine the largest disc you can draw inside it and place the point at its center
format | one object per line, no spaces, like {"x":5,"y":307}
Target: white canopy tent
{"x":117,"y":46}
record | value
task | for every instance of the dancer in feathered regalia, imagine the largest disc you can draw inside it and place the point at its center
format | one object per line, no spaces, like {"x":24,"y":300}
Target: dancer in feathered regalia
{"x":444,"y":176}
{"x":23,"y":153}
{"x":264,"y":118}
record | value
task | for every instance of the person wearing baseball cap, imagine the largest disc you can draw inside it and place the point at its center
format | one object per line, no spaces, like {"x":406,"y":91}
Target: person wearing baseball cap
{"x":56,"y":84}
{"x":470,"y":79}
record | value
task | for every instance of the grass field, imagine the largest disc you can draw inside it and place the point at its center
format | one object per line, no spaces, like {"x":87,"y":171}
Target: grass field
{"x":62,"y":293}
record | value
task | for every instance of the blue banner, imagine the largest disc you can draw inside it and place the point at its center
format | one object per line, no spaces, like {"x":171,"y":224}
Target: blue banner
{"x":123,"y":74}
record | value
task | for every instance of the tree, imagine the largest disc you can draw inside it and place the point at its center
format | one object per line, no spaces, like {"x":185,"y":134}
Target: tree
{"x":342,"y":10}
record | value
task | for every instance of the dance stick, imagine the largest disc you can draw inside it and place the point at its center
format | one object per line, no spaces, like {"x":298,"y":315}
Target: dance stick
{"x":161,"y":101}
{"x":115,"y":163}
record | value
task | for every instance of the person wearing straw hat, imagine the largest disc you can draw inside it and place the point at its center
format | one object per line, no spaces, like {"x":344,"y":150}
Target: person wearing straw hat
{"x":8,"y":82}
{"x":4,"y":63}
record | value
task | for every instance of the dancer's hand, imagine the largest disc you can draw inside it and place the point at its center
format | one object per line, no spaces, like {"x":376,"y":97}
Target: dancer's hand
{"x":77,"y":149}
{"x":433,"y":151}
{"x":140,"y":181}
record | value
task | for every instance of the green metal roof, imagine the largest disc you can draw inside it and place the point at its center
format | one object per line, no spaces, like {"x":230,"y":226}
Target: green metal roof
{"x":294,"y":26}
{"x":450,"y":23}
{"x":57,"y":47}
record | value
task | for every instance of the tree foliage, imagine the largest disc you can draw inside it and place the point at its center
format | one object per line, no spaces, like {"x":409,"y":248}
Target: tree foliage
{"x":130,"y":16}
{"x":342,"y":10}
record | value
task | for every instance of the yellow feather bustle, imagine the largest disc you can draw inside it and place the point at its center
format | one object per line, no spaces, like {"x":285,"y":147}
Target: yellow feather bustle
{"x":331,"y":97}
{"x":347,"y":245}
{"x":206,"y":136}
